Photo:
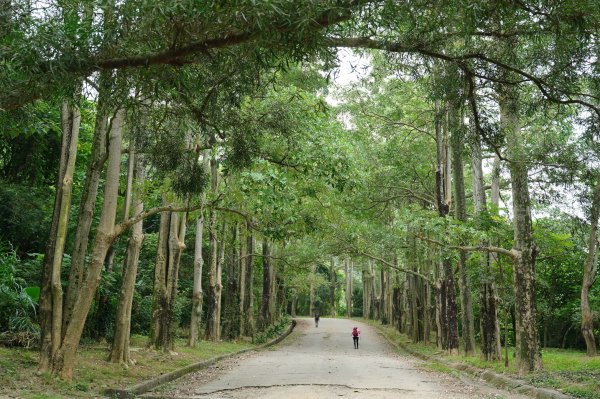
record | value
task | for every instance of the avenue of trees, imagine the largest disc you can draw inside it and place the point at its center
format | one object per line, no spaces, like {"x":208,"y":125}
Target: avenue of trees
{"x":178,"y":169}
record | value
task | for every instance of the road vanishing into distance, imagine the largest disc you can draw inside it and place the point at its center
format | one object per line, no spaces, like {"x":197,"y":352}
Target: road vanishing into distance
{"x":322,"y":363}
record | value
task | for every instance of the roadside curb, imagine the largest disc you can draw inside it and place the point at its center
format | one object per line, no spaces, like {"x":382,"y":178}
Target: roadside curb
{"x":143,"y":387}
{"x":495,"y":379}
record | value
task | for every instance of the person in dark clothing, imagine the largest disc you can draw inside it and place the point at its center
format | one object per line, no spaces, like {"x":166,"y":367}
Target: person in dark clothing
{"x":316,"y":320}
{"x":355,"y":335}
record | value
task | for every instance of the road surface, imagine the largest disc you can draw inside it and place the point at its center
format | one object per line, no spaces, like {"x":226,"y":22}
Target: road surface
{"x":322,"y":363}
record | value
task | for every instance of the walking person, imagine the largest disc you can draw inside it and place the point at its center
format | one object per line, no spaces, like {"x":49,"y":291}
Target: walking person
{"x":355,"y":336}
{"x":316,"y":320}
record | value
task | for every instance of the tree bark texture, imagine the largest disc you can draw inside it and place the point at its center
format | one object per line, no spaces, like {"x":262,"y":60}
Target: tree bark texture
{"x":457,"y":143}
{"x":527,"y":342}
{"x":51,"y":299}
{"x":590,"y":268}
{"x":88,"y":201}
{"x":120,"y":347}
{"x":197,"y":287}
{"x":64,"y":360}
{"x":490,"y":326}
{"x":248,"y":314}
{"x":263,"y":317}
{"x":213,"y":318}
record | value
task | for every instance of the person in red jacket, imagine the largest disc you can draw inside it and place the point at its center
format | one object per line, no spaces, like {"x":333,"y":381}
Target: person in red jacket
{"x":355,"y":335}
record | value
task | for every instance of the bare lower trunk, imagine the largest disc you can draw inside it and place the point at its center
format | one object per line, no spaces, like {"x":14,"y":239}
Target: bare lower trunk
{"x":120,"y":347}
{"x":197,"y":288}
{"x":332,"y":284}
{"x":490,"y":329}
{"x":311,"y":295}
{"x":468,"y":325}
{"x":51,"y":300}
{"x":527,"y":343}
{"x":213,"y":318}
{"x":88,"y":203}
{"x":64,"y":360}
{"x":263,"y":317}
{"x":348,"y":274}
{"x":448,"y":319}
{"x":589,"y":275}
{"x":159,"y":305}
{"x":249,"y":296}
{"x":242,"y":280}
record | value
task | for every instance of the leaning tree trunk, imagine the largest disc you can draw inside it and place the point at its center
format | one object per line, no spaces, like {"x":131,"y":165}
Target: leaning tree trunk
{"x":457,"y":143}
{"x":51,"y":300}
{"x":120,"y":347}
{"x":87,"y":205}
{"x":527,"y":342}
{"x":64,"y":360}
{"x":589,"y":275}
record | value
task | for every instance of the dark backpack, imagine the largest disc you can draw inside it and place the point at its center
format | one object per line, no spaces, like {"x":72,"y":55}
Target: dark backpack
{"x":355,"y":332}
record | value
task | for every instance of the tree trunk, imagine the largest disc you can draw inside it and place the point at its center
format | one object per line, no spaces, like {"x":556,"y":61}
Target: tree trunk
{"x":120,"y":347}
{"x":231,"y":303}
{"x":248,"y":314}
{"x":242,"y":280}
{"x":490,"y":328}
{"x":197,"y":287}
{"x":348,"y":274}
{"x":159,"y":303}
{"x":64,"y":361}
{"x":589,"y":275}
{"x":311,"y":295}
{"x":88,"y":201}
{"x":213,"y":319}
{"x":263,"y":317}
{"x":527,"y":342}
{"x":457,"y":142}
{"x":51,"y":299}
{"x":332,"y":284}
{"x":449,"y":321}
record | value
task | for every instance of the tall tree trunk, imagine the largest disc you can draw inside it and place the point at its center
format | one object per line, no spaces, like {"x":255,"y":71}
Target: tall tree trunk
{"x":311,"y":294}
{"x":457,"y":142}
{"x":51,"y":300}
{"x":213,"y":319}
{"x":231,"y":303}
{"x":332,"y":284}
{"x":263,"y":317}
{"x":348,"y":274}
{"x":120,"y":347}
{"x":447,"y":292}
{"x":242,"y":280}
{"x":527,"y":342}
{"x":87,"y":204}
{"x":64,"y":360}
{"x":589,"y":275}
{"x":197,"y":287}
{"x":248,"y":314}
{"x":490,"y":327}
{"x":159,"y":303}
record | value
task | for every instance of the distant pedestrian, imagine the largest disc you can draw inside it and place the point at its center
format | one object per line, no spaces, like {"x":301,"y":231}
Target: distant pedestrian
{"x":316,"y":320}
{"x":355,"y":336}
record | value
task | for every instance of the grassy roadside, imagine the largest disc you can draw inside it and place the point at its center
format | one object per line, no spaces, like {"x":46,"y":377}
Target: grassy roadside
{"x":571,"y":372}
{"x":93,"y":374}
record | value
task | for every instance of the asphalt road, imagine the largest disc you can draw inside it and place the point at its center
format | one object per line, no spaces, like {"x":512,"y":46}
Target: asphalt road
{"x":322,"y":363}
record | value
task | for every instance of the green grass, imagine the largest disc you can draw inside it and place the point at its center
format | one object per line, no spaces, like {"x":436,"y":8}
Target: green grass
{"x":569,"y":371}
{"x":93,"y":374}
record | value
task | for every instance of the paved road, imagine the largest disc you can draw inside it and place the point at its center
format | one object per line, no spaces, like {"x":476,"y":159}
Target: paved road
{"x":322,"y":363}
